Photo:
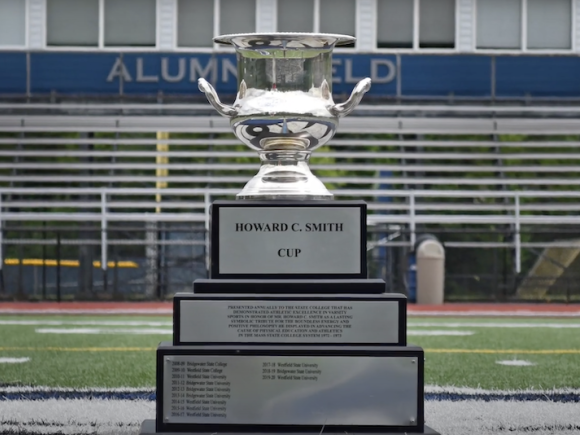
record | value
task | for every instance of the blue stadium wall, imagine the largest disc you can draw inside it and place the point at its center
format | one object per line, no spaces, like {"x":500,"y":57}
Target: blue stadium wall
{"x":413,"y":76}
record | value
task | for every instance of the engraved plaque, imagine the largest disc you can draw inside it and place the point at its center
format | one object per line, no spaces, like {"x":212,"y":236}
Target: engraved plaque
{"x":291,"y":390}
{"x":374,"y":321}
{"x":289,"y":241}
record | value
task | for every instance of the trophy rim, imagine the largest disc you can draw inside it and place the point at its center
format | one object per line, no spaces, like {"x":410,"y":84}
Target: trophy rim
{"x":341,"y":39}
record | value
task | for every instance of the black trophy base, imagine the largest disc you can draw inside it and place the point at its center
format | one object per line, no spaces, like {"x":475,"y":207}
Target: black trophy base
{"x":290,"y":286}
{"x":287,"y":389}
{"x":148,"y":428}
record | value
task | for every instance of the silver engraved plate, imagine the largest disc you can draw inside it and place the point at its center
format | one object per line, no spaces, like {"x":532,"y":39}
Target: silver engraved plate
{"x":289,"y":321}
{"x":291,"y":390}
{"x":290,"y":240}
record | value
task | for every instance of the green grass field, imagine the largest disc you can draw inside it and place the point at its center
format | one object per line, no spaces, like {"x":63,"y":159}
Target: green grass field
{"x":108,"y":353}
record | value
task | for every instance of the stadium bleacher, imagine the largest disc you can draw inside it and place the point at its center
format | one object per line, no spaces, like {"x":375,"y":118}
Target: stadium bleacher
{"x":417,"y":166}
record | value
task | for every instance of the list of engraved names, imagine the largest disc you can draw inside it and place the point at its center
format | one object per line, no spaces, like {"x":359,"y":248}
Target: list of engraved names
{"x":208,"y":388}
{"x":290,"y":321}
{"x":290,"y":371}
{"x":200,"y":388}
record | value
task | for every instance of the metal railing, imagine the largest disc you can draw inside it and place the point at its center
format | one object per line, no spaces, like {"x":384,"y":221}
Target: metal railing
{"x":155,"y":260}
{"x":409,"y":213}
{"x":444,"y":199}
{"x":357,"y":124}
{"x":461,"y":108}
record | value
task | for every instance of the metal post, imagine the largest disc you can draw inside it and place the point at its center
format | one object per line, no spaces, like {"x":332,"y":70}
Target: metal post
{"x":116,"y":272}
{"x":517,"y":238}
{"x":104,"y":239}
{"x":207,"y":236}
{"x":86,"y":251}
{"x":151,"y":256}
{"x":58,"y":261}
{"x":162,"y":147}
{"x":162,"y":264}
{"x":412,"y":225}
{"x":43,"y":260}
{"x":493,"y":78}
{"x":20,"y":271}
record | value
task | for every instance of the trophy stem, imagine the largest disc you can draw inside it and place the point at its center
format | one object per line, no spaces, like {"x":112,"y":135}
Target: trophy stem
{"x":285,"y":174}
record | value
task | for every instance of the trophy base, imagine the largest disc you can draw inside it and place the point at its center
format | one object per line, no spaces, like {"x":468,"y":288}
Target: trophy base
{"x":283,"y":179}
{"x":148,"y":428}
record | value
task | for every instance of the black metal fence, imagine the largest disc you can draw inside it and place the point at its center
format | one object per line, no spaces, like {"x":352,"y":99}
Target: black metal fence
{"x":64,"y":262}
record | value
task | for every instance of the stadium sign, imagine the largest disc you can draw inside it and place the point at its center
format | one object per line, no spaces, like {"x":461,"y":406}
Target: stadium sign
{"x":405,"y":75}
{"x":174,"y":70}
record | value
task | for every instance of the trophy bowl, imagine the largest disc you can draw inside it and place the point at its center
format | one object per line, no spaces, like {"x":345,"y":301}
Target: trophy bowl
{"x":284,"y":108}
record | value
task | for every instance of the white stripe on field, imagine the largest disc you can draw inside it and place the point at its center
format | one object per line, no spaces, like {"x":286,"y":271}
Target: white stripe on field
{"x":97,"y":416}
{"x":84,"y":322}
{"x":410,"y":324}
{"x":46,"y":389}
{"x":88,"y":311}
{"x":493,"y":325}
{"x":429,"y":389}
{"x":495,"y":417}
{"x":436,"y":332}
{"x":486,"y":313}
{"x":150,"y":331}
{"x":410,"y":311}
{"x":76,"y":416}
{"x":436,"y":389}
{"x":515,"y":362}
{"x":8,"y":360}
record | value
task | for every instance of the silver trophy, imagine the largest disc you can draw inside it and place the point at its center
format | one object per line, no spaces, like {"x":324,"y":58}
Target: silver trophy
{"x":284,"y":108}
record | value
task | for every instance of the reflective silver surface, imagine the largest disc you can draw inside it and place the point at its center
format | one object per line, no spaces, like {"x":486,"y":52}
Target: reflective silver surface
{"x":295,"y":390}
{"x":284,"y":107}
{"x":289,"y":240}
{"x":295,"y":321}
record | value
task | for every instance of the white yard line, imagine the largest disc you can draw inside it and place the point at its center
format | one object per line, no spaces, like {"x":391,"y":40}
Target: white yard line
{"x":45,"y":389}
{"x":487,"y":313}
{"x":78,"y":416}
{"x":149,"y":331}
{"x":411,"y":312}
{"x":411,"y":323}
{"x":432,"y":332}
{"x":515,"y":362}
{"x":492,"y":325}
{"x":98,"y":416}
{"x":25,"y":322}
{"x":436,"y":389}
{"x":11,"y":360}
{"x":502,"y":417}
{"x":429,"y":389}
{"x":144,"y":311}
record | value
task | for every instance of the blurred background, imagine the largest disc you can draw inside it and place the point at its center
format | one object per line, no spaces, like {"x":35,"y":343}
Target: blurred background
{"x":110,"y":156}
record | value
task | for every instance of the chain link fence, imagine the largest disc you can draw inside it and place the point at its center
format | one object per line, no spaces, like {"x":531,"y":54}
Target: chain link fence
{"x":154,"y":260}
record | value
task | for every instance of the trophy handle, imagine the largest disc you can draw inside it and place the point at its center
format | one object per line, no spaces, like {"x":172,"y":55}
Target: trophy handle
{"x":348,"y":106}
{"x":211,"y":94}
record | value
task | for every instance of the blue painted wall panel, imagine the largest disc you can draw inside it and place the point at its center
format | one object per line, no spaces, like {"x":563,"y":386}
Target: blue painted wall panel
{"x":171,"y":73}
{"x":538,"y":76}
{"x":72,"y":73}
{"x":461,"y":75}
{"x":12,"y":73}
{"x":349,"y":69}
{"x":177,"y":73}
